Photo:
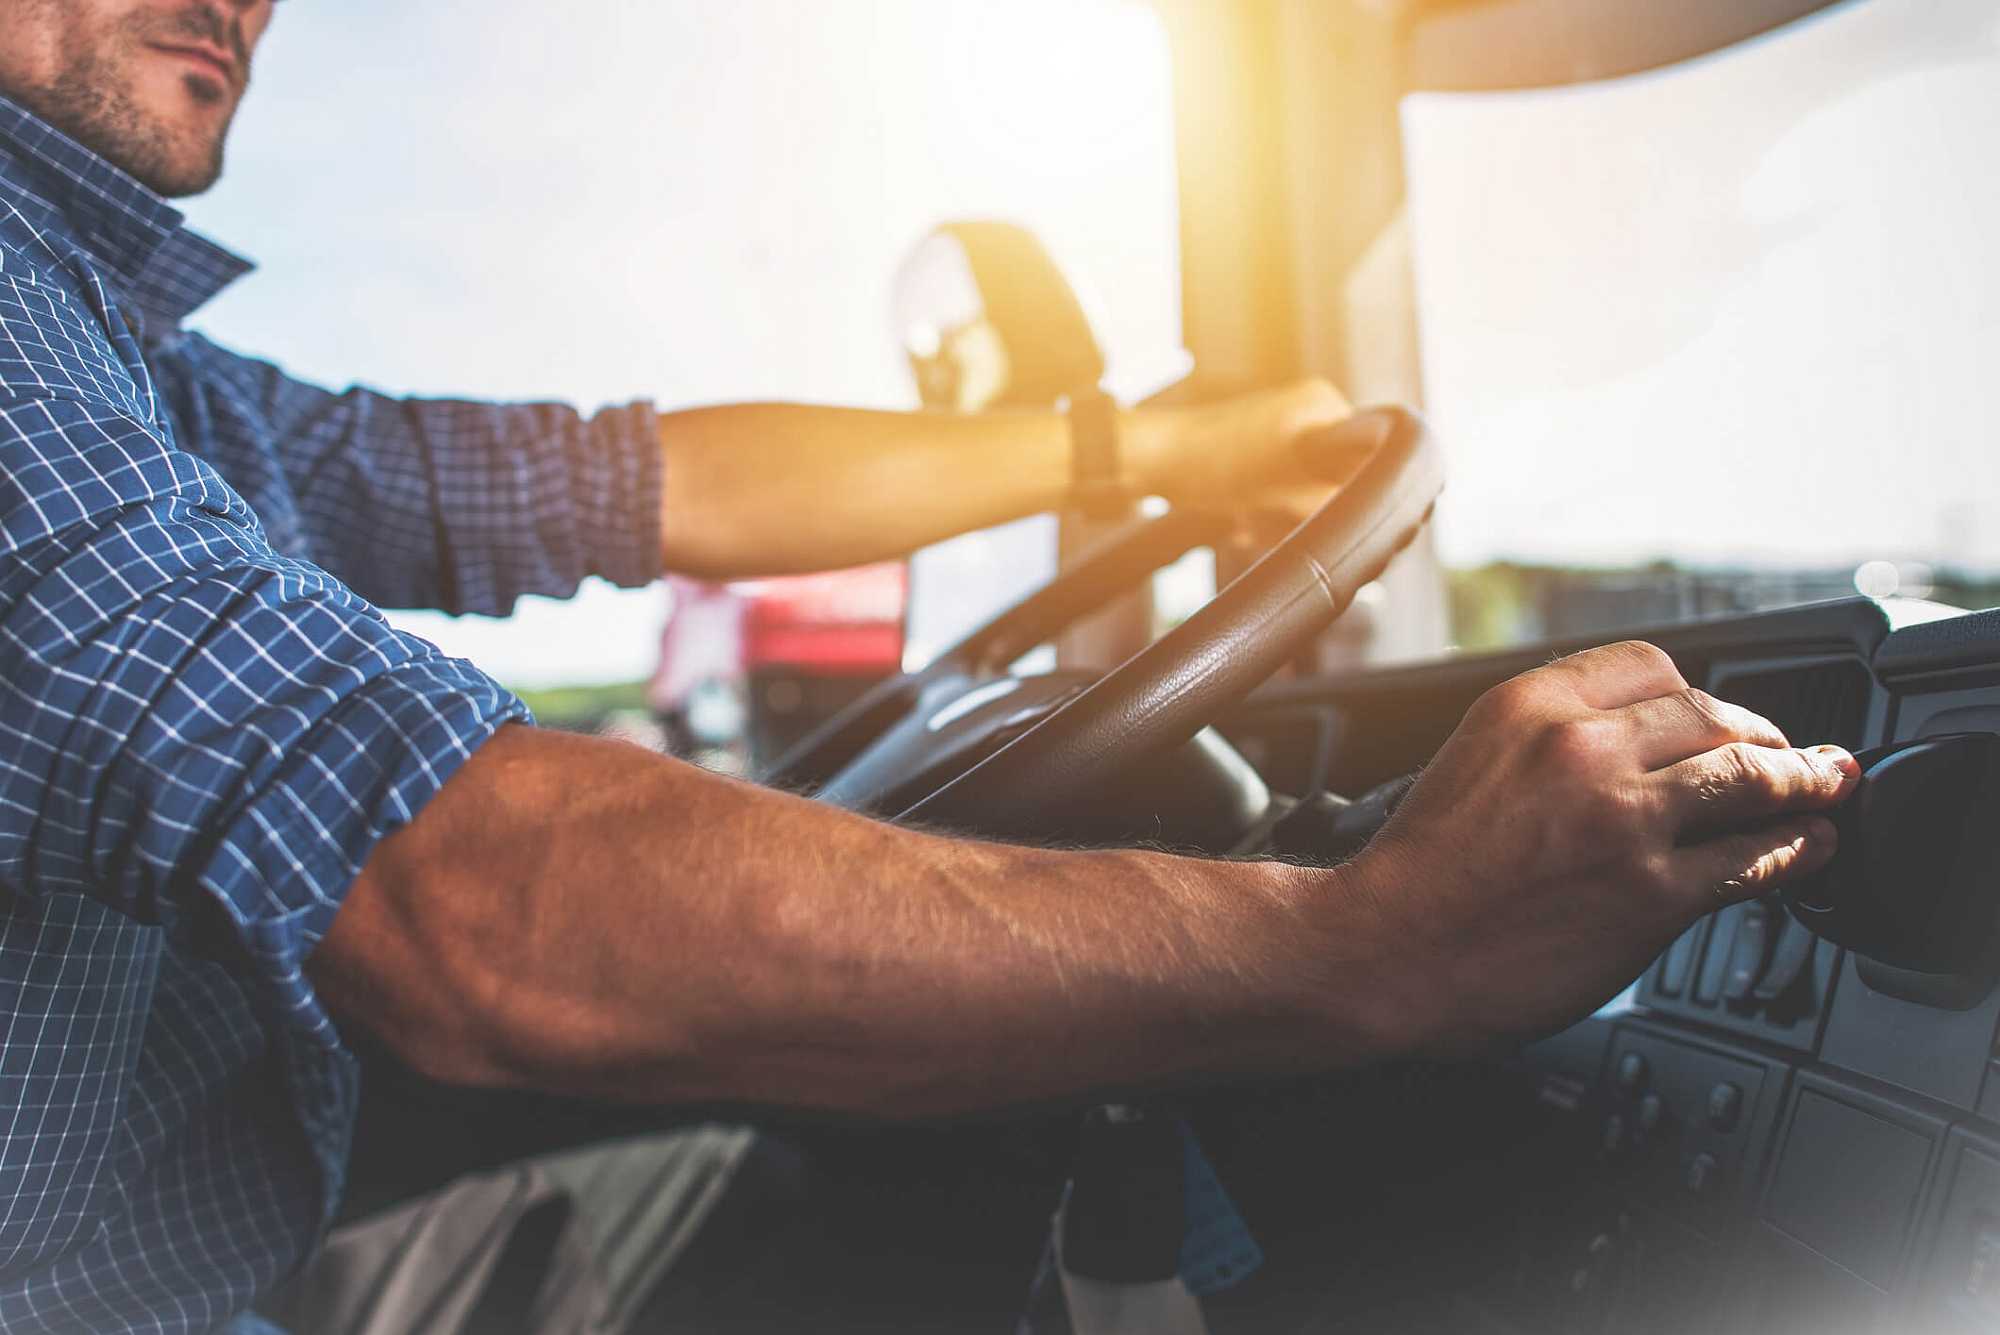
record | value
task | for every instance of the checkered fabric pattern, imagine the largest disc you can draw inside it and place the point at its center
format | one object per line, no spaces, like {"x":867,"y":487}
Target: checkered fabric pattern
{"x":205,"y":726}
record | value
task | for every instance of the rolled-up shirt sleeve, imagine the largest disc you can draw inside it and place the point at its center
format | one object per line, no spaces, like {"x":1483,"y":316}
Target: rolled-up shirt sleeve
{"x":448,"y":504}
{"x":196,"y":730}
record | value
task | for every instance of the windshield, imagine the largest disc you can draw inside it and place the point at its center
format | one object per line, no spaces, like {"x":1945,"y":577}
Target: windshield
{"x":689,"y":202}
{"x":1726,"y":334}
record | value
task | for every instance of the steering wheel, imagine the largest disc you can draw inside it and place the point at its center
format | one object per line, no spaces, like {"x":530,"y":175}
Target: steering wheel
{"x":960,"y":744}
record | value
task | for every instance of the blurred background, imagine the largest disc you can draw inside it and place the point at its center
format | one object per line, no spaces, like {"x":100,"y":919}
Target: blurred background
{"x":1702,"y":298}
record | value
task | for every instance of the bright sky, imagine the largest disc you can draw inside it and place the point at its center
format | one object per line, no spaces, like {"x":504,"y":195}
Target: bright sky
{"x":677,"y":199}
{"x":1743,"y":309}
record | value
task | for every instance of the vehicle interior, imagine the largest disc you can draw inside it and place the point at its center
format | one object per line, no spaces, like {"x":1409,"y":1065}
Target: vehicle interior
{"x":1791,"y":1121}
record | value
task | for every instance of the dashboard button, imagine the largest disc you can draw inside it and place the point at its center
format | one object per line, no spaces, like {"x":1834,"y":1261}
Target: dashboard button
{"x":1789,"y":961}
{"x":1749,"y":952}
{"x":1725,"y":1106}
{"x":1678,"y":962}
{"x":1713,"y":971}
{"x":1632,"y":1072}
{"x":1701,"y":1172}
{"x":1982,"y":1280}
{"x":1652,"y":1110}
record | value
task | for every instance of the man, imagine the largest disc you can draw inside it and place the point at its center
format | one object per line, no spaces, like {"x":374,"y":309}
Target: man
{"x":239,"y":814}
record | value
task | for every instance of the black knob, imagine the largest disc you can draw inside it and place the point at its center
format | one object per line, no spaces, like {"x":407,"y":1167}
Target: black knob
{"x":1910,"y":885}
{"x":1632,"y":1071}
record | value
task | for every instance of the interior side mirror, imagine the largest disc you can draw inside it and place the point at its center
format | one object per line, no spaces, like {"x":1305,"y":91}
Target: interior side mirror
{"x":988,"y":321}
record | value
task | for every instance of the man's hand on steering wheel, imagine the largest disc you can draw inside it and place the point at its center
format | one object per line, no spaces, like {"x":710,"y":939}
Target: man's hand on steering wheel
{"x":1581,"y":817}
{"x":1253,"y":453}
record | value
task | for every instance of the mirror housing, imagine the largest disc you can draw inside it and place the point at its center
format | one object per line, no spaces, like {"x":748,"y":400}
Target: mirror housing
{"x":988,"y":320}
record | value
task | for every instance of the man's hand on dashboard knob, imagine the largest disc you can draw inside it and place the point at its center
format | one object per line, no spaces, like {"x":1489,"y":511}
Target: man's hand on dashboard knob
{"x":1582,"y":816}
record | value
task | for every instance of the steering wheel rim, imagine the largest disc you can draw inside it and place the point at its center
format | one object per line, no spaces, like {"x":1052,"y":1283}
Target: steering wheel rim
{"x":1166,"y":693}
{"x":985,"y":652}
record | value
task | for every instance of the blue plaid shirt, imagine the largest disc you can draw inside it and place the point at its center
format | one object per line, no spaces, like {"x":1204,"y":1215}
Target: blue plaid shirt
{"x":205,"y":726}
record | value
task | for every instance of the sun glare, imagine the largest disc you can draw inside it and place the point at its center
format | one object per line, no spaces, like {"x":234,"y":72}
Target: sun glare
{"x":686,"y":201}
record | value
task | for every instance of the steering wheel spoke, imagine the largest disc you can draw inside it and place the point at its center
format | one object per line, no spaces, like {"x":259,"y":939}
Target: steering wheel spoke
{"x":1029,"y":757}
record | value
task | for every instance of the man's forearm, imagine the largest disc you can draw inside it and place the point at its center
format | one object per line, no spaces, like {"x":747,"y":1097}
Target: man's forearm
{"x":584,"y":916}
{"x":588,"y":917}
{"x":779,"y":488}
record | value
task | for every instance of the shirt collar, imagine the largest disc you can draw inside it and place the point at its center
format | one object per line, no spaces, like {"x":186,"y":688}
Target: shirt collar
{"x":160,"y":266}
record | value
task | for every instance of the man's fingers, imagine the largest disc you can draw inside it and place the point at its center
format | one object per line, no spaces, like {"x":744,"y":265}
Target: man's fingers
{"x":1741,"y":784}
{"x":1671,"y":728}
{"x":1617,"y":675}
{"x":1333,"y":453}
{"x":1754,"y":862}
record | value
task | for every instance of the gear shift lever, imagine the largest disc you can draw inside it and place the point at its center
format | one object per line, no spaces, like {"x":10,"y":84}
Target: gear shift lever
{"x":1916,"y":883}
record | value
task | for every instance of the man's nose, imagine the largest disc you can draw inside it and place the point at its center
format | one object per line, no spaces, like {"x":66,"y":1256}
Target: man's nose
{"x":242,"y":20}
{"x":235,"y":11}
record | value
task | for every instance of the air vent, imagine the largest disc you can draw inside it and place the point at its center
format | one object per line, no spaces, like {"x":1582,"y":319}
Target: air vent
{"x":1822,"y":702}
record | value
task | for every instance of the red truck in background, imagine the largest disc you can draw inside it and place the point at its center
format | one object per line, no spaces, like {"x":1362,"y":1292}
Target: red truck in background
{"x":747,"y":668}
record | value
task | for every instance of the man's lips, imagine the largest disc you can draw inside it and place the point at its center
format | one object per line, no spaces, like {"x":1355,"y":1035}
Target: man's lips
{"x":208,"y":58}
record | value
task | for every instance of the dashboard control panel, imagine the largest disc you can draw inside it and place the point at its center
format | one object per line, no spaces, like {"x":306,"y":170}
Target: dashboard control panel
{"x":1792,"y":1126}
{"x":1797,"y":1123}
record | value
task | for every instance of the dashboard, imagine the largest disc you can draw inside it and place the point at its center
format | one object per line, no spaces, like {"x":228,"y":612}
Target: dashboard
{"x":1770,"y":1133}
{"x":1806,"y":1141}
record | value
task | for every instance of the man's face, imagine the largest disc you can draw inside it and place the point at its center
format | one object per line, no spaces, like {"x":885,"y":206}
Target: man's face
{"x":149,"y":84}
